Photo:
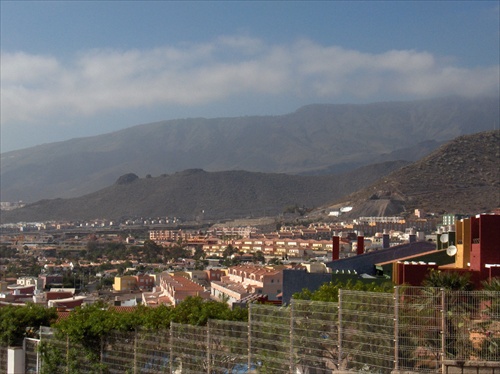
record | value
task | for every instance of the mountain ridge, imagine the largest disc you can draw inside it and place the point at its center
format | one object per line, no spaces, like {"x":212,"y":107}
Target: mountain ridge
{"x":323,"y":138}
{"x":193,"y":193}
{"x":461,"y":176}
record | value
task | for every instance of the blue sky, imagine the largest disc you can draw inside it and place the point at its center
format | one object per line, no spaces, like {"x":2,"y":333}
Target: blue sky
{"x":72,"y":69}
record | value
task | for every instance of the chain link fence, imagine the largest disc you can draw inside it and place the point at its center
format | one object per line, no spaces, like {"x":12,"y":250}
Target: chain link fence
{"x":189,"y":350}
{"x":3,"y":359}
{"x":419,"y":328}
{"x":366,"y":331}
{"x":228,"y":346}
{"x":269,"y":340}
{"x":413,"y":329}
{"x":315,"y":336}
{"x":31,"y":357}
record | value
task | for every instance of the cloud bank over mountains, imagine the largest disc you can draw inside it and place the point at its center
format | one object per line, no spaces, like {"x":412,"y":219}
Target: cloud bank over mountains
{"x":40,"y":87}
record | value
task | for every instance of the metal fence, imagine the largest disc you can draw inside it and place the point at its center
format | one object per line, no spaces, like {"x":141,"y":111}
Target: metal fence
{"x":32,"y":359}
{"x":412,"y":329}
{"x":228,"y":347}
{"x":314,"y":332}
{"x":366,"y":331}
{"x":3,"y":359}
{"x":269,"y":338}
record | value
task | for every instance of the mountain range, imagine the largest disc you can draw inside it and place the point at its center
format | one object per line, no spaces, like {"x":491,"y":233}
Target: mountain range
{"x":461,"y":176}
{"x":314,"y":140}
{"x":195,"y":194}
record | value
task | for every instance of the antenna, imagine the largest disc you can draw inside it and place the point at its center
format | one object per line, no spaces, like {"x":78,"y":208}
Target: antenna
{"x":444,"y":238}
{"x":451,"y":250}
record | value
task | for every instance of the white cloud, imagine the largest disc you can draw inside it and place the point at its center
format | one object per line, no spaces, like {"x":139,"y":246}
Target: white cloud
{"x":34,"y":86}
{"x":24,"y":69}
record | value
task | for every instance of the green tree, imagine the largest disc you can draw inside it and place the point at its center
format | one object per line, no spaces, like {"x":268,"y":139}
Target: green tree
{"x":86,"y":325}
{"x":196,"y":311}
{"x":8,"y":252}
{"x":330,"y":291}
{"x":275,"y":261}
{"x":199,"y":253}
{"x":448,"y":280}
{"x":229,"y":251}
{"x":18,"y":321}
{"x":490,"y":308}
{"x":259,"y":257}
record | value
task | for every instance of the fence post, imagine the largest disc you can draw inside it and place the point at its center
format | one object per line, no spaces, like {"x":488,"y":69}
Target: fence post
{"x":443,"y":325}
{"x":339,"y":306}
{"x":249,"y":336}
{"x":135,"y":350}
{"x":38,"y":358}
{"x":396,"y":328}
{"x":291,"y":316}
{"x":209,"y":368}
{"x":67,"y":353}
{"x":171,"y":350}
{"x":102,"y":355}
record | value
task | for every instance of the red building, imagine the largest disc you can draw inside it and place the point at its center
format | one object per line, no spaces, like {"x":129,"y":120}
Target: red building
{"x":477,"y":252}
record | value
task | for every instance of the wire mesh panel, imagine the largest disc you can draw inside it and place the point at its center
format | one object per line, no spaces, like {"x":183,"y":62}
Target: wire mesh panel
{"x":188,"y":349}
{"x":314,"y":336}
{"x":410,"y":330}
{"x":82,"y":360}
{"x":472,"y":326}
{"x":367,"y":331}
{"x":3,"y":359}
{"x":60,"y":355}
{"x":53,"y":352}
{"x":419,"y":326}
{"x":118,"y":353}
{"x":152,"y":354}
{"x":270,"y":338}
{"x":31,"y":360}
{"x":228,"y":346}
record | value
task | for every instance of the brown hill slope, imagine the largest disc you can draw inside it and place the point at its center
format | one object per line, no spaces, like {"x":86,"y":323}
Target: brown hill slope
{"x":324,"y":138}
{"x":462,"y":176}
{"x":203,"y":195}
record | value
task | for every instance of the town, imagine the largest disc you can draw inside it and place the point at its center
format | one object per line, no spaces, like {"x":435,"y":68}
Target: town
{"x":162,"y":262}
{"x":144,"y":262}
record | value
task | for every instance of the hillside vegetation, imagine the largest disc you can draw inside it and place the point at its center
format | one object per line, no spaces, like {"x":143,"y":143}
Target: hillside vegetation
{"x":315,"y":139}
{"x":462,"y":176}
{"x":199,"y":195}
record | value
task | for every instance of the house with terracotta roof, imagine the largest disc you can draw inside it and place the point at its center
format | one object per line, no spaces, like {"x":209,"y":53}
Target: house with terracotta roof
{"x":244,"y":280}
{"x":176,"y":288}
{"x":230,"y":292}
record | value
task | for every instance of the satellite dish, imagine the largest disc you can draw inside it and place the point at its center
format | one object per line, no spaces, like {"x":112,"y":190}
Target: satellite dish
{"x":451,"y":250}
{"x":444,"y":238}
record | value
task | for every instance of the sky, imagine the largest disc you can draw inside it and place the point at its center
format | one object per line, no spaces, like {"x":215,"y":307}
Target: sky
{"x":70,"y":69}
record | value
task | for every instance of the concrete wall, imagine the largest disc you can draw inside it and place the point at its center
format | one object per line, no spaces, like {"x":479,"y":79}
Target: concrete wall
{"x":462,"y":367}
{"x":471,"y":367}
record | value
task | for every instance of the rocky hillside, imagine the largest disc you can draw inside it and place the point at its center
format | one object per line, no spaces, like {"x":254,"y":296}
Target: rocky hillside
{"x":199,"y":195}
{"x":462,"y":176}
{"x":314,"y":139}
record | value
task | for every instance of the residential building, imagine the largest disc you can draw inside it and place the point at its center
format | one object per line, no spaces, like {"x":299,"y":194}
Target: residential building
{"x":243,"y":280}
{"x":176,"y":288}
{"x":125,"y":283}
{"x":145,"y":282}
